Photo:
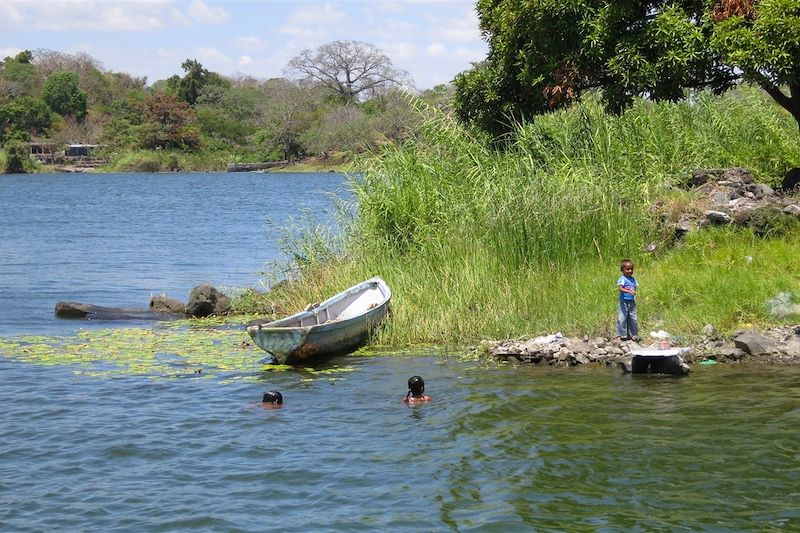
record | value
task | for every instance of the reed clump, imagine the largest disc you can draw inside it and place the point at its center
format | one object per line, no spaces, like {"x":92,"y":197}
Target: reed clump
{"x":481,"y":242}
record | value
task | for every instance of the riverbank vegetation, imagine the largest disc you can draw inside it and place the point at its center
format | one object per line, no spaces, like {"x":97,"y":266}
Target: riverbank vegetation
{"x":478,"y":242}
{"x":581,"y":118}
{"x":327,"y":111}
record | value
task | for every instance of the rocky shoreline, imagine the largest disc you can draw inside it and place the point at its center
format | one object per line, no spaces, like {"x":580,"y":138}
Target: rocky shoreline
{"x":722,"y":197}
{"x":775,"y":346}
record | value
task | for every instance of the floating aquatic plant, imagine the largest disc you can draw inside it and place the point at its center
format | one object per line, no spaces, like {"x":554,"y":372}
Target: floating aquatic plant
{"x":196,"y":350}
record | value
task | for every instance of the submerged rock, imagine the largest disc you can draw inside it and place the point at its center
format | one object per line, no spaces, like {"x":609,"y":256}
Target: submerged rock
{"x":204,"y":300}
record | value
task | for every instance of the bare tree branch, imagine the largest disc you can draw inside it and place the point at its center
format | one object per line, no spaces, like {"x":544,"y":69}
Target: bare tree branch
{"x":347,"y":68}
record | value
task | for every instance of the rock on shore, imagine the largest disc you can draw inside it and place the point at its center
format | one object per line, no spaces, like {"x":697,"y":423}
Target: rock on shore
{"x":775,"y":346}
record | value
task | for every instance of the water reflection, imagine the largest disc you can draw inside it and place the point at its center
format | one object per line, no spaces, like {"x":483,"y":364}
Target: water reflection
{"x":498,"y":449}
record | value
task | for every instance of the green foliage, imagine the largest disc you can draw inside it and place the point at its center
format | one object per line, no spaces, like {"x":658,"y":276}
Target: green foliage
{"x":62,"y":93}
{"x":17,"y":158}
{"x":543,"y":55}
{"x":17,"y":76}
{"x":763,"y":41}
{"x":478,"y":243}
{"x":22,"y":117}
{"x":342,"y":127}
{"x":216,"y":124}
{"x":196,"y":80}
{"x":167,"y":123}
{"x":167,"y":161}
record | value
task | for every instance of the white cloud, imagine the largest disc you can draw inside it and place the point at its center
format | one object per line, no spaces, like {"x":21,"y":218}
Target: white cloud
{"x":314,"y":22}
{"x":96,"y":15}
{"x":250,"y":43}
{"x":119,"y":19}
{"x":179,"y":18}
{"x":436,"y":49}
{"x":164,"y":53}
{"x":245,"y":60}
{"x":85,"y":14}
{"x":463,"y":28}
{"x":400,"y":51}
{"x":10,"y":15}
{"x":202,"y":12}
{"x":210,"y":54}
{"x":9,"y":52}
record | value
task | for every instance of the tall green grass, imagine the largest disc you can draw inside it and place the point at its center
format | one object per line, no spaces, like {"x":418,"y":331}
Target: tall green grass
{"x":479,"y":242}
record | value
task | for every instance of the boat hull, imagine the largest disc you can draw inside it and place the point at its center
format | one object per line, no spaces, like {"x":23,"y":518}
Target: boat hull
{"x":290,"y":342}
{"x":652,"y":361}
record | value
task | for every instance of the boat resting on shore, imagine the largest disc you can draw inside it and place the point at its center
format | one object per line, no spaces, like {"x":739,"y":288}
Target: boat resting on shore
{"x":659,"y":361}
{"x":339,"y":325}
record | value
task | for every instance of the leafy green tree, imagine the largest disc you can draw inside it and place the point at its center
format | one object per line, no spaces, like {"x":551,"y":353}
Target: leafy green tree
{"x":17,"y":76}
{"x":440,"y":96}
{"x":22,"y":117}
{"x":168,"y":123}
{"x":544,"y":54}
{"x":390,"y":116}
{"x":342,"y":128}
{"x":17,"y":157}
{"x":287,"y":113}
{"x":219,"y":126}
{"x":62,"y":93}
{"x":195,"y":81}
{"x":349,"y":69}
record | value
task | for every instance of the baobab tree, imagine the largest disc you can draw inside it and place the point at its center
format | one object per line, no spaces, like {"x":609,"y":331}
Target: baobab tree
{"x":350,"y":69}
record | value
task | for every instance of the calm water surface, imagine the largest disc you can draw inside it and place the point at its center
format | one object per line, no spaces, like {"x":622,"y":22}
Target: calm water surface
{"x":499,"y":448}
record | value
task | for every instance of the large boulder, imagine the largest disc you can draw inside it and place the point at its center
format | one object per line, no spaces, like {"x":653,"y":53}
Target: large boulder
{"x":163,"y":304}
{"x":754,"y":343}
{"x":205,"y":300}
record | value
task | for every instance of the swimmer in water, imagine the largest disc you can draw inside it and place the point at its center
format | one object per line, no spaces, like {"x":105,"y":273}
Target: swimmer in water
{"x":416,"y":391}
{"x":272,"y":398}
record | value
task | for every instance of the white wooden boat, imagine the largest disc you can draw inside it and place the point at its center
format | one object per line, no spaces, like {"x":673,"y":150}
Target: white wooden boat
{"x":659,"y":361}
{"x":338,"y":325}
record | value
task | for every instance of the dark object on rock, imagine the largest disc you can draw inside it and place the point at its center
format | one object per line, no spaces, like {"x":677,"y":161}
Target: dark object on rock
{"x":205,"y":300}
{"x":98,"y":312}
{"x":791,"y":180}
{"x":162,"y":304}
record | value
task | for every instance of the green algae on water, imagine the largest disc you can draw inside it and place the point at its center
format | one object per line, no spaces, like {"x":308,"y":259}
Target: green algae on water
{"x":195,"y":349}
{"x":169,"y":352}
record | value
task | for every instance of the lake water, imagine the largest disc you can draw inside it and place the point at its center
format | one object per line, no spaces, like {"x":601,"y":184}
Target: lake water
{"x":498,"y":449}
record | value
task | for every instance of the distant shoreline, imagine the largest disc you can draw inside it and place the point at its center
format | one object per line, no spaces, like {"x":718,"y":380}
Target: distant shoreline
{"x":308,"y":164}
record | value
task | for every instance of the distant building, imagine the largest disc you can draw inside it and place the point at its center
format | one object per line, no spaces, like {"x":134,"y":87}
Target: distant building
{"x":39,"y":148}
{"x":80,"y":150}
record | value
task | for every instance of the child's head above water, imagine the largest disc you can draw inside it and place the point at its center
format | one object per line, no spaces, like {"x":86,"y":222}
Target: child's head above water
{"x":273,"y":397}
{"x":416,"y":386}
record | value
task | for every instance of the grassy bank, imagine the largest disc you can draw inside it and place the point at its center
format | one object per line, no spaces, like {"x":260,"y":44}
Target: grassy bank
{"x":209,"y":161}
{"x":481,"y":243}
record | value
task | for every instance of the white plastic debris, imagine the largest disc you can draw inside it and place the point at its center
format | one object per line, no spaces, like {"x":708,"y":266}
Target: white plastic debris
{"x":660,"y":334}
{"x":547,"y":339}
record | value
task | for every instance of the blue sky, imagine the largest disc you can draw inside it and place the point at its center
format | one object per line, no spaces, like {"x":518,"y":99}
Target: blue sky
{"x":432,"y":40}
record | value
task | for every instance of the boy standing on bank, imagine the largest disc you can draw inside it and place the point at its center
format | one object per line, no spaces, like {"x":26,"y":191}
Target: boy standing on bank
{"x":627,"y":321}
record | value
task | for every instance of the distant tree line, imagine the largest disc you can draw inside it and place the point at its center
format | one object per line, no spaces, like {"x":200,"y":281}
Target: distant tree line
{"x":345,"y":96}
